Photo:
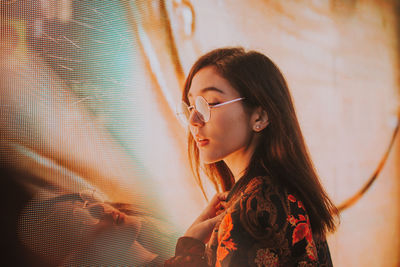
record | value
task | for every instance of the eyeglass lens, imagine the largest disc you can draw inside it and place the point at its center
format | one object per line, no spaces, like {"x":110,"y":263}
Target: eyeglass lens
{"x":203,"y":109}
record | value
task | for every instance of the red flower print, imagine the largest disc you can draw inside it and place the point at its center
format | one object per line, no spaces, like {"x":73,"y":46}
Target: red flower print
{"x":229,"y":244}
{"x":300,"y":205}
{"x":292,"y":220}
{"x":311,"y":251}
{"x":222,"y":252}
{"x":301,"y":231}
{"x":225,"y":228}
{"x":302,"y":218}
{"x":291,"y":198}
{"x":224,"y":233}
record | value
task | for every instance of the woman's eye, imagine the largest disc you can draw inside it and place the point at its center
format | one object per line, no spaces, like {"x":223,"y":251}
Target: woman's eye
{"x":213,"y":104}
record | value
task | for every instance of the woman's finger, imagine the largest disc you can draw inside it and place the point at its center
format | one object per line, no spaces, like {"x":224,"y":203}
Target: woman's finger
{"x":215,"y":219}
{"x":223,"y":196}
{"x":219,"y":212}
{"x":215,"y":199}
{"x":220,"y":206}
{"x":218,"y":197}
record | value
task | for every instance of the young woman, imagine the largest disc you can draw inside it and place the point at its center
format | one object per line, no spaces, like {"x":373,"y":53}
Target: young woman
{"x":245,"y":135}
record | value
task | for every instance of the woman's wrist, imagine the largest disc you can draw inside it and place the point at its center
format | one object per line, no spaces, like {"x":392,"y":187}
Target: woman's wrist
{"x":191,"y":234}
{"x":189,"y":245}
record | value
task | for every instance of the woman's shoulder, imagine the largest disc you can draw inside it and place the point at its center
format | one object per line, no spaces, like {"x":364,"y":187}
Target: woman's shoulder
{"x":272,"y":213}
{"x":263,"y":186}
{"x":266,"y":199}
{"x":263,"y":197}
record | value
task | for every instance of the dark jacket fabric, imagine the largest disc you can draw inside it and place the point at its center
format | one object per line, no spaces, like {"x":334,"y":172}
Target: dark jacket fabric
{"x":263,"y":225}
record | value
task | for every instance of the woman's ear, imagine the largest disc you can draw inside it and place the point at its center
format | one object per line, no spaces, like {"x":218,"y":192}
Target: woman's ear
{"x":259,"y":119}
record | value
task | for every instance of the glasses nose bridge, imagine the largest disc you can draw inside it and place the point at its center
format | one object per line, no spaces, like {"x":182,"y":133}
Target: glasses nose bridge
{"x":194,"y":117}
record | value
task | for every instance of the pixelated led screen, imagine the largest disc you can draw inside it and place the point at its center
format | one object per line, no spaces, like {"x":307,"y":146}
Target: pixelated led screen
{"x":94,"y":167}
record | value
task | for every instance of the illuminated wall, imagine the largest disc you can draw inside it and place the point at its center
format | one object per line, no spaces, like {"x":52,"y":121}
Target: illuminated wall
{"x":89,"y":88}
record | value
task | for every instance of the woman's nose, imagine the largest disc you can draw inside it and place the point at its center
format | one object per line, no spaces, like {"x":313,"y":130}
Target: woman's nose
{"x":195,"y":118}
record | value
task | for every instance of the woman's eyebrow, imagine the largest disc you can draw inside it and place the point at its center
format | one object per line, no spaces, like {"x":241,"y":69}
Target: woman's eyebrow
{"x":207,"y":89}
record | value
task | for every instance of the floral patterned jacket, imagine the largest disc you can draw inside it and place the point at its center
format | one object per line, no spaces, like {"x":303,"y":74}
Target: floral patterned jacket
{"x":264,"y":225}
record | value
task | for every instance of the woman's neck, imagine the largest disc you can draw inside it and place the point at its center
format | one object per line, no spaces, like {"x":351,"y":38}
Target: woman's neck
{"x":239,"y":161}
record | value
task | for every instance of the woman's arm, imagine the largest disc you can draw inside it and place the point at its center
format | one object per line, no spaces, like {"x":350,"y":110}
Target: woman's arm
{"x":190,"y":249}
{"x":189,"y":252}
{"x":202,"y":227}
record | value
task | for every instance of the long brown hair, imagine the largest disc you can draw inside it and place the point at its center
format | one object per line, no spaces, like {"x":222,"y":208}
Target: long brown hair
{"x":281,"y":152}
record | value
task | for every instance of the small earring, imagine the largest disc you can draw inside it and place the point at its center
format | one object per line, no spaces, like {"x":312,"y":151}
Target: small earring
{"x":257,"y":127}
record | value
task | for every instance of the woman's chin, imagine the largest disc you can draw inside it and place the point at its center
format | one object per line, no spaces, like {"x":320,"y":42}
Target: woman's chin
{"x":208,"y":159}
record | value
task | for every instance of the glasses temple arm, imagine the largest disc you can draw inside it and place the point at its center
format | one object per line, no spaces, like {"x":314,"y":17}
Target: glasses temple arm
{"x":228,"y":102}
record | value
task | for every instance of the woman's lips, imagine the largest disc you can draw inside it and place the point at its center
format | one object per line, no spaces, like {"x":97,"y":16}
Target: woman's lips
{"x":121,"y":218}
{"x":202,"y":142}
{"x":118,"y":217}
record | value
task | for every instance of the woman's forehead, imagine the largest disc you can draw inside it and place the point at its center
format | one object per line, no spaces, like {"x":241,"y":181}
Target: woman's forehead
{"x":209,"y":80}
{"x":208,"y":89}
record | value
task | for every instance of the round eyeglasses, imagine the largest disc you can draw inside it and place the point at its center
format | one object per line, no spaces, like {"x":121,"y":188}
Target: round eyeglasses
{"x":202,"y":107}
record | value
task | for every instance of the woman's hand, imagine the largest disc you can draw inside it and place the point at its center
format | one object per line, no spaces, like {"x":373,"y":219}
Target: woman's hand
{"x":202,"y":227}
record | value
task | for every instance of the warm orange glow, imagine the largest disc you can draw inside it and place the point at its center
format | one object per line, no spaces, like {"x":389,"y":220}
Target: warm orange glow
{"x":88,"y":95}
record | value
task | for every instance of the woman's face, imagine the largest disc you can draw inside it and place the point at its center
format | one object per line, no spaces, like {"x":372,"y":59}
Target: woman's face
{"x":90,"y":231}
{"x":228,"y":132}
